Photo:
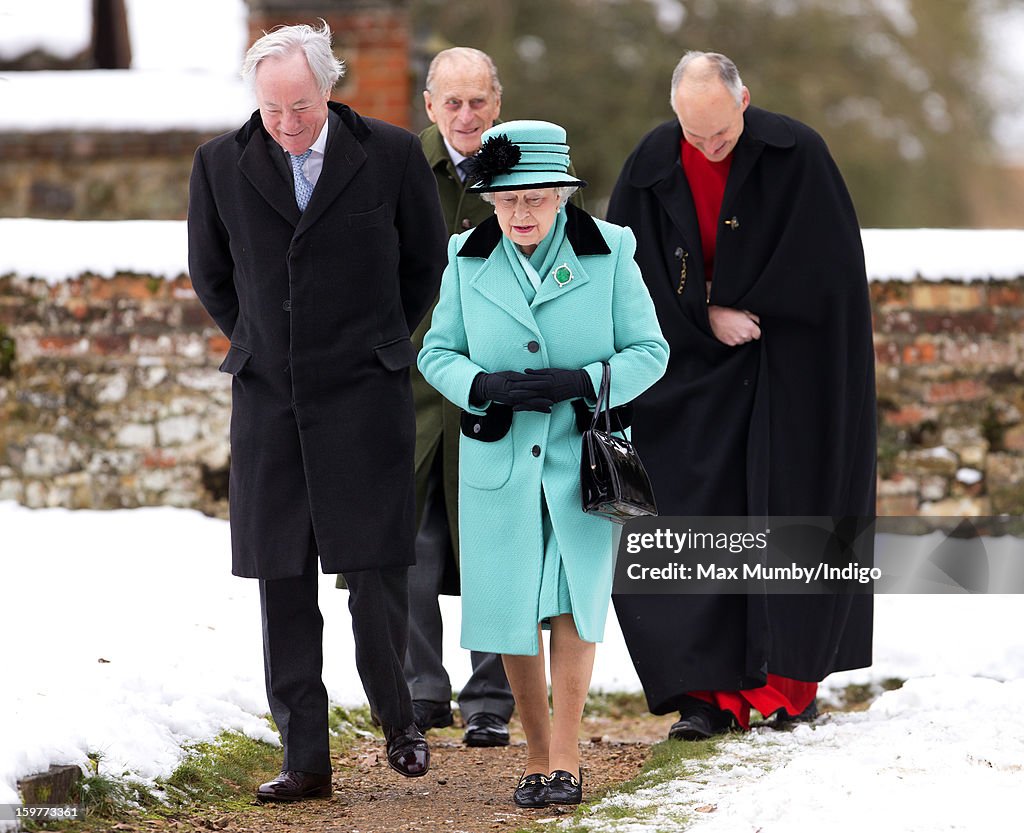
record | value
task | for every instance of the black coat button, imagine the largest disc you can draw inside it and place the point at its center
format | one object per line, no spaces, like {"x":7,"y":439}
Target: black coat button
{"x":533,"y":347}
{"x":287,"y":306}
{"x":467,"y":223}
{"x":536,"y":451}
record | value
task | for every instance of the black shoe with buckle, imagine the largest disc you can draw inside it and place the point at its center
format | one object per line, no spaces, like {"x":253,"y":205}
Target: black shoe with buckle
{"x":486,"y":729}
{"x":700,"y":721}
{"x":564,"y":787}
{"x":532,"y":791}
{"x":431,"y":714}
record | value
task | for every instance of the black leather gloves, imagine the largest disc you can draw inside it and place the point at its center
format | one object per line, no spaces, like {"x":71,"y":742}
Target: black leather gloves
{"x":535,"y":390}
{"x":559,"y":385}
{"x":496,"y":387}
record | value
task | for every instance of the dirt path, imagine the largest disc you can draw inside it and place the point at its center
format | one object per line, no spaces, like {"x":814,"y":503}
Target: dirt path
{"x":466,"y":791}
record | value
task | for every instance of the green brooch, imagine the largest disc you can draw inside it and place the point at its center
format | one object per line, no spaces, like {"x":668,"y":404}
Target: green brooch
{"x":563,"y":274}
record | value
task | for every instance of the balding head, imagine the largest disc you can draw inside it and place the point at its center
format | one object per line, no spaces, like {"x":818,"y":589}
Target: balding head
{"x":709,"y":99}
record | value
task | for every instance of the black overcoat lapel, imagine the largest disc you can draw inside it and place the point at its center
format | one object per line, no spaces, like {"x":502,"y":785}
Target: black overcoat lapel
{"x":344,"y":156}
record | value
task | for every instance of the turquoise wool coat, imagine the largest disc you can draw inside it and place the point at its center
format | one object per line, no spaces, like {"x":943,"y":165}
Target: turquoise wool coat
{"x":483,"y":322}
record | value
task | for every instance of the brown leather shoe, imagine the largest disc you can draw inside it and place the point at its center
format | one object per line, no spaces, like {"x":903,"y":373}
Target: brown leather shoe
{"x":291,"y":785}
{"x":408,"y":753}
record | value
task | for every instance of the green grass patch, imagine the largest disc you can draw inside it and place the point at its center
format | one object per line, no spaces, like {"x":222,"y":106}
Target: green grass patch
{"x":346,"y":725}
{"x":222,"y":772}
{"x":214,"y":778}
{"x":615,"y":704}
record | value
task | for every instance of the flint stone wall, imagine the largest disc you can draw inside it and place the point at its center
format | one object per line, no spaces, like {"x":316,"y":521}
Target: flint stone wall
{"x":110,"y":395}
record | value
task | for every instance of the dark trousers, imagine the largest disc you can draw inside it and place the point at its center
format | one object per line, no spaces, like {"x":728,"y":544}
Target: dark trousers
{"x":293,"y":656}
{"x":487,"y":690}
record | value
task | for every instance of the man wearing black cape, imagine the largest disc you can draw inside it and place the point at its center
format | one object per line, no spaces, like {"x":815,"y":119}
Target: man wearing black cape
{"x":750,"y":246}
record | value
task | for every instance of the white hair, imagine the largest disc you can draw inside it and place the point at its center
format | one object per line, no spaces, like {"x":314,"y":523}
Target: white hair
{"x":286,"y":40}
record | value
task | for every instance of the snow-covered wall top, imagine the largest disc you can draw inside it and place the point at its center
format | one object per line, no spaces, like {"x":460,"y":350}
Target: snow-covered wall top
{"x":56,"y":250}
{"x":62,"y":28}
{"x":208,"y":35}
{"x":147,"y":101}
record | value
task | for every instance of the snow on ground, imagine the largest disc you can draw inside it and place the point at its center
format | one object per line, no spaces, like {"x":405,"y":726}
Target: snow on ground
{"x":940,"y":754}
{"x":56,"y":250}
{"x":126,"y":635}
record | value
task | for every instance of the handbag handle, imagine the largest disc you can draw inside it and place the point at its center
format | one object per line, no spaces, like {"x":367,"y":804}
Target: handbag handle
{"x":602,"y":399}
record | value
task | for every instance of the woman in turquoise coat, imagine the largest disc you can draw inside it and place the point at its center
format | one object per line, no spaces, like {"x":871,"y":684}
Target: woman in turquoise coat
{"x":533,"y":302}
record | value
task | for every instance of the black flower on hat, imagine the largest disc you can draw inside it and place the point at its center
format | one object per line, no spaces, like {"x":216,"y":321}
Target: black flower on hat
{"x":498,"y":155}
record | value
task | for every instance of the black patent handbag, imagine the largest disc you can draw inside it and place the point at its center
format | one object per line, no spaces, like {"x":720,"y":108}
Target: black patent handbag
{"x":613,"y":481}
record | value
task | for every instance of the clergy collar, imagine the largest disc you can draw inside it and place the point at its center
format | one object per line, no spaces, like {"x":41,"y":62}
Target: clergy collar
{"x":580,"y":230}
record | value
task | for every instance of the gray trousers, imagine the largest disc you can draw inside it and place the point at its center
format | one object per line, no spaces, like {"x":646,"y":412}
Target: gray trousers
{"x":487,"y":690}
{"x":293,"y":657}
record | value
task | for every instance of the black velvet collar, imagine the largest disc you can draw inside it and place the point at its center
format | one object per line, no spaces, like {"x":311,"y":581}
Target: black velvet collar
{"x":580,"y":229}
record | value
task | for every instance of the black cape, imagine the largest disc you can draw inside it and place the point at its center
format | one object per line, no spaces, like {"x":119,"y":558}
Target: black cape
{"x":781,"y":426}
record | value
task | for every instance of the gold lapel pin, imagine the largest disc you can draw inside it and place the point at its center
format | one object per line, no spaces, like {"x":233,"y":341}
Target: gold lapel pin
{"x":733,"y":223}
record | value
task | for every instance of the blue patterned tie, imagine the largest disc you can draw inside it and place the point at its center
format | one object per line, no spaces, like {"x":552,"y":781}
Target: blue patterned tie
{"x":303,"y":187}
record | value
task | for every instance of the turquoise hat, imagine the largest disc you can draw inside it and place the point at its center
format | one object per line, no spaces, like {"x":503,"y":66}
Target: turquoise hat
{"x":521,"y":154}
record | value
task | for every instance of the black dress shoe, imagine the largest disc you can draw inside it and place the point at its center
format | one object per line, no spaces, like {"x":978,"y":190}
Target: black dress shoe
{"x":486,"y":729}
{"x":408,"y":753}
{"x":564,"y":788}
{"x":430,"y":714}
{"x":532,"y":791}
{"x":784,"y":720}
{"x":700,"y":721}
{"x":291,"y":785}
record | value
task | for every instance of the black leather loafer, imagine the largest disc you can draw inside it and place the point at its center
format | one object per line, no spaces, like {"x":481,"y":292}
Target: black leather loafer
{"x":408,"y":753}
{"x":486,"y":729}
{"x":291,"y":785}
{"x":430,"y":714}
{"x":564,"y":788}
{"x":532,"y":791}
{"x":700,"y":722}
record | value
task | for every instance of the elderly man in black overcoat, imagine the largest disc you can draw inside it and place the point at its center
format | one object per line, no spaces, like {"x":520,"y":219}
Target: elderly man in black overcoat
{"x":316,"y":243}
{"x":749,"y":244}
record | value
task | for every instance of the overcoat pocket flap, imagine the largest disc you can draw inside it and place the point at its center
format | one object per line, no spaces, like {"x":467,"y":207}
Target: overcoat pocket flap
{"x":489,"y":427}
{"x":395,"y":355}
{"x":365,"y":219}
{"x":235,"y":360}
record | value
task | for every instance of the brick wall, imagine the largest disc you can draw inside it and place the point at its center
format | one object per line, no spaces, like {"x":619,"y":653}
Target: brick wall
{"x":114,"y":398}
{"x":950,"y":369}
{"x":97,"y":176}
